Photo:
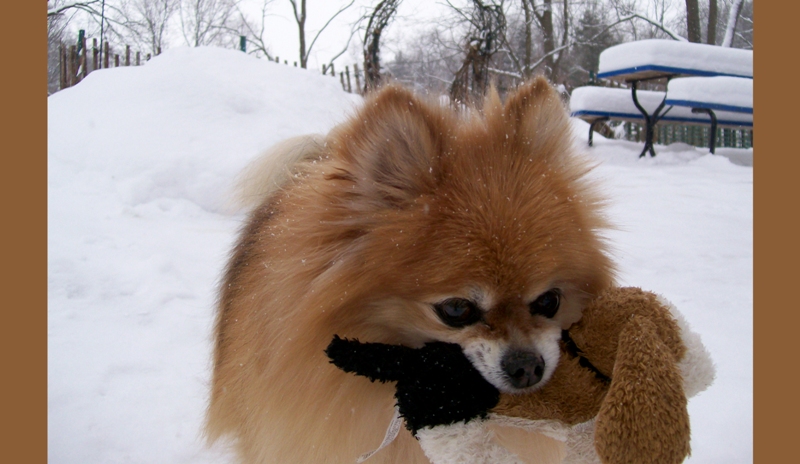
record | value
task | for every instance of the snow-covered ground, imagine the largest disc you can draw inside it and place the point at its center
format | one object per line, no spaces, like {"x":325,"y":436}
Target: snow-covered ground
{"x":140,"y":163}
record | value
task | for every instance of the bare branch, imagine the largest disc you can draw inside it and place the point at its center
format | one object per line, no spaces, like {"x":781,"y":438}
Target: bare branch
{"x":82,"y":5}
{"x":308,"y":50}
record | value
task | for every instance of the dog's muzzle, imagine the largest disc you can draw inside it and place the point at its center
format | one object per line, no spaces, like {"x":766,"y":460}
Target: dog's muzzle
{"x":523,"y":368}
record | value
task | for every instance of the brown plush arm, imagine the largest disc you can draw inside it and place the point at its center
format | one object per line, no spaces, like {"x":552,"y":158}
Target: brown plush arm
{"x":626,"y":334}
{"x":643,"y":418}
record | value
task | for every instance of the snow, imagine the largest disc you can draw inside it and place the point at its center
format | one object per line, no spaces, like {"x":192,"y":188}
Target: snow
{"x":714,"y":92}
{"x":139,"y":165}
{"x":600,"y":101}
{"x":683,"y":57}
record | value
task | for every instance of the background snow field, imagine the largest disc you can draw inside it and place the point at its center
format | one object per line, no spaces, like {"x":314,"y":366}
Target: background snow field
{"x":140,"y":164}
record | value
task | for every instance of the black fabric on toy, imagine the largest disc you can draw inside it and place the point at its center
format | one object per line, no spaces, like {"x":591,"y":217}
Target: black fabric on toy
{"x":436,"y":384}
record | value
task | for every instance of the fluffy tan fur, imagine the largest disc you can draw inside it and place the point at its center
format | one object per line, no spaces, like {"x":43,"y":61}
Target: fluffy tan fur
{"x":404,"y":204}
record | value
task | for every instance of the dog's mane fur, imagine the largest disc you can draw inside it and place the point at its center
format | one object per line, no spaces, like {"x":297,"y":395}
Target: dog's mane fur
{"x":346,"y":229}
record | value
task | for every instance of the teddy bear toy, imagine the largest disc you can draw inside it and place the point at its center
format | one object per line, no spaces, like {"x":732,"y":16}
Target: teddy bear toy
{"x":619,"y":393}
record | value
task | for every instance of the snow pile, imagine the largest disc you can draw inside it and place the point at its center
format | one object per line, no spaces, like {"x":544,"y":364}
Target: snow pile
{"x":182,"y":125}
{"x":618,"y":103}
{"x":140,"y":161}
{"x":717,"y":93}
{"x":673,"y":56}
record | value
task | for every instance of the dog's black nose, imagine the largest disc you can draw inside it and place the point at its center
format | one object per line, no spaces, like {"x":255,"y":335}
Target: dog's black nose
{"x":523,"y":368}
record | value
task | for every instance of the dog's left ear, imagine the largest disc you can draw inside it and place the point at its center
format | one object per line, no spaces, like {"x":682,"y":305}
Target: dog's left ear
{"x":390,"y":148}
{"x":533,"y":116}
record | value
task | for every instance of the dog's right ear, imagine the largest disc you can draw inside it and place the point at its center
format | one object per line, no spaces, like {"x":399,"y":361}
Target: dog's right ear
{"x":390,"y":148}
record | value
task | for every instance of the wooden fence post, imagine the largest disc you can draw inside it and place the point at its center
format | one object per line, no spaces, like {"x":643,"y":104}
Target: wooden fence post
{"x":358,"y":78}
{"x":341,"y":79}
{"x":333,"y":70}
{"x":105,"y":54}
{"x":347,"y":72}
{"x":295,"y":64}
{"x":71,"y":52}
{"x":116,"y":60}
{"x":85,"y":61}
{"x":62,"y":67}
{"x":324,"y":68}
{"x":127,"y":55}
{"x":138,"y":58}
{"x":94,"y":54}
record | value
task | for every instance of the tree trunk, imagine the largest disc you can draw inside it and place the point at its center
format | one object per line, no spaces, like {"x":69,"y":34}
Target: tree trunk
{"x":549,"y":37}
{"x":564,"y":40}
{"x":711,"y":36}
{"x":301,"y":25}
{"x":526,"y":70}
{"x":730,"y":29}
{"x":693,"y":21}
{"x":380,"y":18}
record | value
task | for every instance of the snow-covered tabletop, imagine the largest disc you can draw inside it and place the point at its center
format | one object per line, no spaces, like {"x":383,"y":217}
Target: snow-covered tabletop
{"x":716,"y":93}
{"x":590,"y":103}
{"x":653,"y":58}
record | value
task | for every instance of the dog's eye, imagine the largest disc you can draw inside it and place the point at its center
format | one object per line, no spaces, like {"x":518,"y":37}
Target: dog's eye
{"x":547,"y":304}
{"x":458,"y":312}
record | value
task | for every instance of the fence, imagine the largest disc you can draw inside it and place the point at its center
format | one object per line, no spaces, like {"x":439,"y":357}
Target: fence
{"x":697,"y":136}
{"x":75,"y":61}
{"x":344,"y":76}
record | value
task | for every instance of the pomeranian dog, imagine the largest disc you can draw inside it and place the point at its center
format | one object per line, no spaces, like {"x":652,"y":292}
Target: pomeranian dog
{"x":411,"y":222}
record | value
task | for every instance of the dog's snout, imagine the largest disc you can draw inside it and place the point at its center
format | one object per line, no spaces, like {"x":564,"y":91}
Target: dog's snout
{"x":523,"y":368}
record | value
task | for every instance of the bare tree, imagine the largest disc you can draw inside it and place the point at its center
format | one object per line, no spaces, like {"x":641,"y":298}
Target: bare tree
{"x":300,"y":15}
{"x":488,"y":23}
{"x":693,"y":21}
{"x":711,"y":35}
{"x":379,"y":20}
{"x":207,"y":22}
{"x":58,"y":7}
{"x":733,"y":17}
{"x":148,"y":21}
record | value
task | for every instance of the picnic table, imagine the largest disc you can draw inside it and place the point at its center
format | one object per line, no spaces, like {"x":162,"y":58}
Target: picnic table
{"x":645,"y":60}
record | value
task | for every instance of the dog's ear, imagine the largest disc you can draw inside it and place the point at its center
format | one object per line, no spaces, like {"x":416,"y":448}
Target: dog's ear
{"x":534,"y":116}
{"x":390,"y":148}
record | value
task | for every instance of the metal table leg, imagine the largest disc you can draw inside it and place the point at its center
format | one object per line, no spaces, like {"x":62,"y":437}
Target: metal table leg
{"x":650,"y":120}
{"x":712,"y":138}
{"x":593,"y":126}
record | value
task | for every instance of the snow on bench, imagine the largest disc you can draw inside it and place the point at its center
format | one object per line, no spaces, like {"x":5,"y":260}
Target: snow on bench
{"x":730,"y":94}
{"x":646,"y":59}
{"x":593,"y":103}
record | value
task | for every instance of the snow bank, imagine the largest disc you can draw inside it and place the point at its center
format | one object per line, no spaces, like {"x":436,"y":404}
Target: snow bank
{"x":717,"y":93}
{"x":184,"y":123}
{"x":618,"y":103}
{"x":675,"y":57}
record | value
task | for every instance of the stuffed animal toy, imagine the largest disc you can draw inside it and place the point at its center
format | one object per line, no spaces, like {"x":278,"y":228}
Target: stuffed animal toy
{"x":618,"y":395}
